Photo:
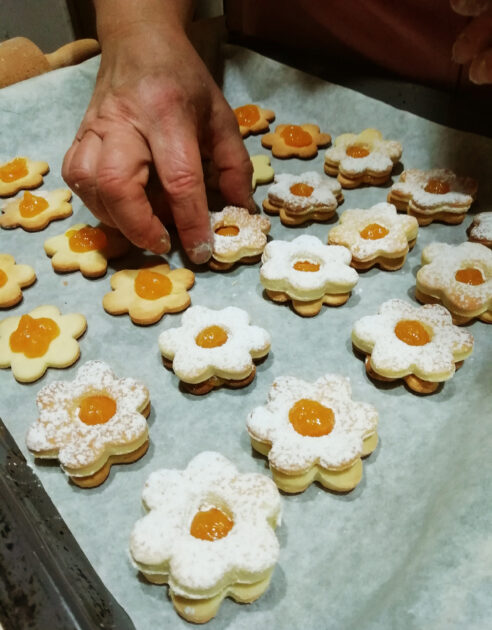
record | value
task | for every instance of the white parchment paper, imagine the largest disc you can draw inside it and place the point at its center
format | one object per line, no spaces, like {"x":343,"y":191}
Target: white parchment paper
{"x":411,"y":546}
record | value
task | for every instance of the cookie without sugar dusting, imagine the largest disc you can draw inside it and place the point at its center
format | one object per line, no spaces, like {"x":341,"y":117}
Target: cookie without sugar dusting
{"x":34,"y":212}
{"x":253,"y":119}
{"x":239,"y":237}
{"x":91,"y":423}
{"x":208,"y":534}
{"x":21,"y":173}
{"x":13,"y":278}
{"x":85,"y":248}
{"x":420,"y":345}
{"x":314,"y":432}
{"x":460,"y":278}
{"x":214,"y":348}
{"x":300,"y":141}
{"x":263,"y":173}
{"x":43,"y":338}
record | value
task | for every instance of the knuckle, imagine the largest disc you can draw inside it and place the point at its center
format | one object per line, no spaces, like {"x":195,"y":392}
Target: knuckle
{"x":159,"y":98}
{"x":79,"y":178}
{"x":182,"y":183}
{"x":111,"y":183}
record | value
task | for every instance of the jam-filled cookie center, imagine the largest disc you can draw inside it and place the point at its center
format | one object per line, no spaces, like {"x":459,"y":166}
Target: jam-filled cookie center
{"x":151,"y":285}
{"x":87,"y":239}
{"x":412,"y":332}
{"x":437,"y":187}
{"x":358,"y":151}
{"x":227,"y":230}
{"x":311,"y":418}
{"x":33,"y":336}
{"x":296,"y":136}
{"x":306,"y":265}
{"x":97,"y":409}
{"x":247,"y":115}
{"x":301,"y":190}
{"x":211,"y":524}
{"x":373,"y":232}
{"x":32,"y":205}
{"x":211,"y":337}
{"x":470,"y":275}
{"x":3,"y":278}
{"x":14,"y":170}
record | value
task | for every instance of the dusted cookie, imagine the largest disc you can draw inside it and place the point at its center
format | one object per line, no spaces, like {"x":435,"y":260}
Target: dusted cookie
{"x":253,"y":119}
{"x":435,"y":195}
{"x":86,"y":248}
{"x":301,"y":198}
{"x":300,"y":141}
{"x":214,"y":348}
{"x":262,"y":171}
{"x":13,"y":278}
{"x":147,"y":294}
{"x":460,"y":278}
{"x":208,"y":534}
{"x":376,"y":236}
{"x":239,"y":237}
{"x":362,"y":159}
{"x":308,"y":273}
{"x":90,"y":423}
{"x":34,"y":212}
{"x":480,"y":229}
{"x":43,"y":338}
{"x":418,"y":344}
{"x":314,"y":432}
{"x":21,"y":173}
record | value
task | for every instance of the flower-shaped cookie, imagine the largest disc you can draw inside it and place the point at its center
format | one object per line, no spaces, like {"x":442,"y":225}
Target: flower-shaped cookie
{"x":480,"y":230}
{"x":460,"y":278}
{"x":19,"y":174}
{"x":314,"y":432}
{"x":376,"y":236}
{"x":300,"y":141}
{"x":146,"y":294}
{"x":90,"y":423}
{"x":213,"y":348}
{"x":34,"y":212}
{"x":363,"y":158}
{"x":238,"y":237}
{"x":419,"y":344}
{"x":86,"y":248}
{"x":434,"y":195}
{"x":253,"y":119}
{"x":263,"y":173}
{"x":13,"y":278}
{"x":43,"y":338}
{"x":308,"y":273}
{"x":209,"y":534}
{"x":301,"y":198}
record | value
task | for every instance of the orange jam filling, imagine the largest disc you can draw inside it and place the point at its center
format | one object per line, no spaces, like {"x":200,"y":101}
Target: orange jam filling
{"x":211,"y":337}
{"x":373,"y":232}
{"x":306,"y":265}
{"x":437,"y":187}
{"x":151,"y":285}
{"x":247,"y":115}
{"x":87,"y":239}
{"x":14,"y":170}
{"x":227,"y":230}
{"x":31,"y":205}
{"x":412,"y":332}
{"x":296,"y":136}
{"x":211,"y":524}
{"x":3,"y":278}
{"x":469,"y":276}
{"x":357,"y":151}
{"x":33,"y":336}
{"x":311,"y":418}
{"x":96,"y":409}
{"x":301,"y":190}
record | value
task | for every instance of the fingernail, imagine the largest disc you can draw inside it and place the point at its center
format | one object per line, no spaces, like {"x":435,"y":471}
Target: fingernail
{"x":200,"y":253}
{"x":163,"y":247}
{"x":251,"y":205}
{"x":478,"y":73}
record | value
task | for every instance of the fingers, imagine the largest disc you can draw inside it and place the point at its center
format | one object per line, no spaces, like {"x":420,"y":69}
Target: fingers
{"x":474,"y":39}
{"x":178,"y":163}
{"x":481,"y":68}
{"x":469,"y":7}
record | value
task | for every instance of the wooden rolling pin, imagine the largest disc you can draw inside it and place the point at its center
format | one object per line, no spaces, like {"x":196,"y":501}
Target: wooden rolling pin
{"x":21,"y":59}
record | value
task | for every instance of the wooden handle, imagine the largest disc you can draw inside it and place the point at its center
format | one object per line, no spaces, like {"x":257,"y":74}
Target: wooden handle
{"x":73,"y":53}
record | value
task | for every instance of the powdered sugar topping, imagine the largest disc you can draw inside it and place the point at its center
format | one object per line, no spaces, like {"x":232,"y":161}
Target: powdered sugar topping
{"x":481,"y":228}
{"x":324,"y":194}
{"x":250,"y":240}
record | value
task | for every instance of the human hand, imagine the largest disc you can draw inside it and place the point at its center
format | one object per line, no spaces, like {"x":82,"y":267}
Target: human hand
{"x":156,"y":106}
{"x":474,"y":44}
